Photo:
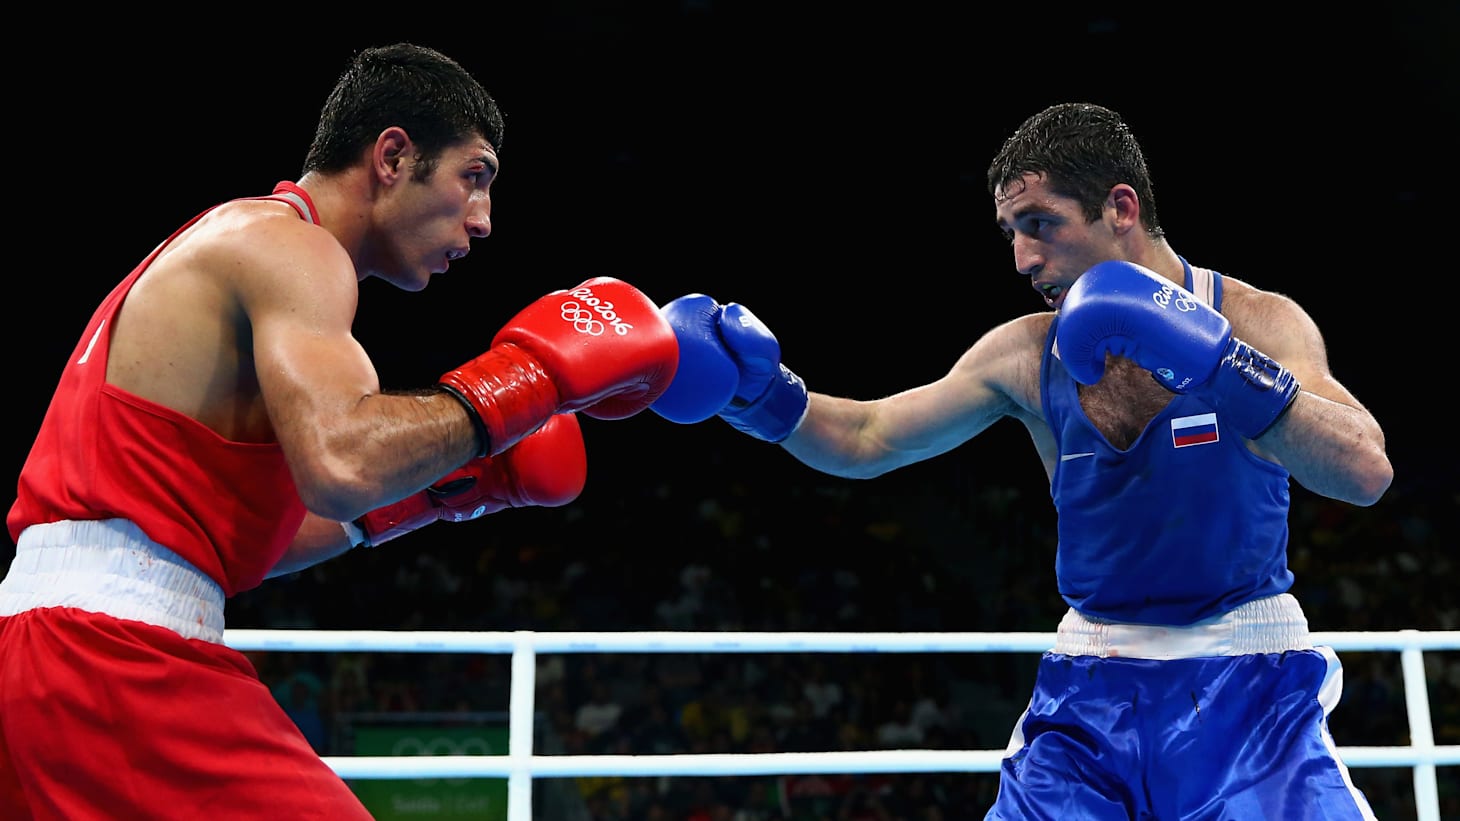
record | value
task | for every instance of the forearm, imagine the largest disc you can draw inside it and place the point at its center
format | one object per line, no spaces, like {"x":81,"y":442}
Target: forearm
{"x":319,"y":539}
{"x":383,"y":447}
{"x":730,"y":366}
{"x":1332,"y":449}
{"x":547,"y":468}
{"x":826,"y":438}
{"x":838,"y":436}
{"x":866,"y":438}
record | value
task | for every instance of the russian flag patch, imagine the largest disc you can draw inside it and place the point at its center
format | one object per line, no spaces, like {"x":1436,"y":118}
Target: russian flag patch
{"x":1194,"y":430}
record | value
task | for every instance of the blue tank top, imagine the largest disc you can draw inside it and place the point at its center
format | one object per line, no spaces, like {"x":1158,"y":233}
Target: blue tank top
{"x":1185,"y":524}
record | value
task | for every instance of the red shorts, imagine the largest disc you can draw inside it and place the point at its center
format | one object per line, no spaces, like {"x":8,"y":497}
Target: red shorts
{"x":105,"y":718}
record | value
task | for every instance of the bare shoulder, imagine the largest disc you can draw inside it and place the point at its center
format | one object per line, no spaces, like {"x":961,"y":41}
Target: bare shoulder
{"x":270,"y":235}
{"x":1252,"y":309}
{"x":1014,"y":342}
{"x":1007,"y":358}
{"x":1274,"y":323}
{"x":203,"y":300}
{"x":263,"y":253}
{"x":1029,"y":329}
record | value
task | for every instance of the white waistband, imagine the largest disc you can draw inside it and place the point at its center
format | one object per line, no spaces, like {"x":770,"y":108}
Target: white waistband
{"x":1275,"y":624}
{"x":111,"y":567}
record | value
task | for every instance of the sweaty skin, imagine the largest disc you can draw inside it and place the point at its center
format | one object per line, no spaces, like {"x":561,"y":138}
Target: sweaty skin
{"x":252,"y":302}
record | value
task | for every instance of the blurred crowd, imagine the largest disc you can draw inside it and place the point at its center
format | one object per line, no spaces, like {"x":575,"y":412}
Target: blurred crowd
{"x":823,"y":555}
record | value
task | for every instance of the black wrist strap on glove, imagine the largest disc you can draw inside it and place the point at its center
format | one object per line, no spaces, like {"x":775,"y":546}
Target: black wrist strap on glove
{"x":1250,"y":389}
{"x":776,"y":413}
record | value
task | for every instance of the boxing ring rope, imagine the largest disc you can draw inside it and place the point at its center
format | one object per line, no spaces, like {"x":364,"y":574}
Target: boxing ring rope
{"x":521,"y":765}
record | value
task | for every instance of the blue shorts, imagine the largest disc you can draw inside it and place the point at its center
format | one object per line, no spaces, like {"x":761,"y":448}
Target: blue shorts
{"x":1215,"y":738}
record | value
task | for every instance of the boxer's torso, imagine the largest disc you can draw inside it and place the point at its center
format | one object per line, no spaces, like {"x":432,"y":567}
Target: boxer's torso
{"x":229,"y":507}
{"x":1175,"y":521}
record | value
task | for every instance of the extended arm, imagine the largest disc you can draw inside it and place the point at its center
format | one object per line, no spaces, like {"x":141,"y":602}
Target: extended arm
{"x":730,"y":366}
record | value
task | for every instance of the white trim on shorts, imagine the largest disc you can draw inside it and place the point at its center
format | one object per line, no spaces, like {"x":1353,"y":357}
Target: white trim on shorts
{"x":1274,"y":624}
{"x":110,"y":566}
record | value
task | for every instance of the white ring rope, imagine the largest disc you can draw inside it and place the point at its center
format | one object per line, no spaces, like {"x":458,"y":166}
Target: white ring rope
{"x":521,"y":765}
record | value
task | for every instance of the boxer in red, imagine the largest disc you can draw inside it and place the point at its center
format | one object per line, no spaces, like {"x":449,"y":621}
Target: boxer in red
{"x":218,"y":424}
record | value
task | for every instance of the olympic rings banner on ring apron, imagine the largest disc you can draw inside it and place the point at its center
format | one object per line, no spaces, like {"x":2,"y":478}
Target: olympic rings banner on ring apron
{"x":431,"y":799}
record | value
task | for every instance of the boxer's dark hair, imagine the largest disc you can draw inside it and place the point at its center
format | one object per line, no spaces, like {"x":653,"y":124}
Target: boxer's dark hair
{"x":419,"y":89}
{"x":1082,"y":150}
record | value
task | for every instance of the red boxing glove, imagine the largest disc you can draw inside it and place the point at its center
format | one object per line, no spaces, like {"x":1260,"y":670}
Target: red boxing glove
{"x":545,"y":469}
{"x":602,"y":348}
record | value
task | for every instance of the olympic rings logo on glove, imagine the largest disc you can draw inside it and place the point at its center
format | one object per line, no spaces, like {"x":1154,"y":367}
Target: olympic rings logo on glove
{"x":1183,"y":302}
{"x":584,"y":321}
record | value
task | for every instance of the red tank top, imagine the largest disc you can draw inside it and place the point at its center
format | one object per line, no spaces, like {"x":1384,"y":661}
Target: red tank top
{"x":229,"y":508}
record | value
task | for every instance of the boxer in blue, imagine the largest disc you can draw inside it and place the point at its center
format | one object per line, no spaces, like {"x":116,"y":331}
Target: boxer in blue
{"x":1171,"y":406}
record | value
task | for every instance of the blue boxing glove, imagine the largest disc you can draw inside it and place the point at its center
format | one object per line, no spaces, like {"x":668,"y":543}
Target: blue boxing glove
{"x":730,"y":366}
{"x":1122,"y":308}
{"x":770,"y":401}
{"x":707,"y":376}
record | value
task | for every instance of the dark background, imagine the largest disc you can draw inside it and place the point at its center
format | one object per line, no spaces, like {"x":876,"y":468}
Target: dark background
{"x":821,"y":164}
{"x":824,"y":165}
